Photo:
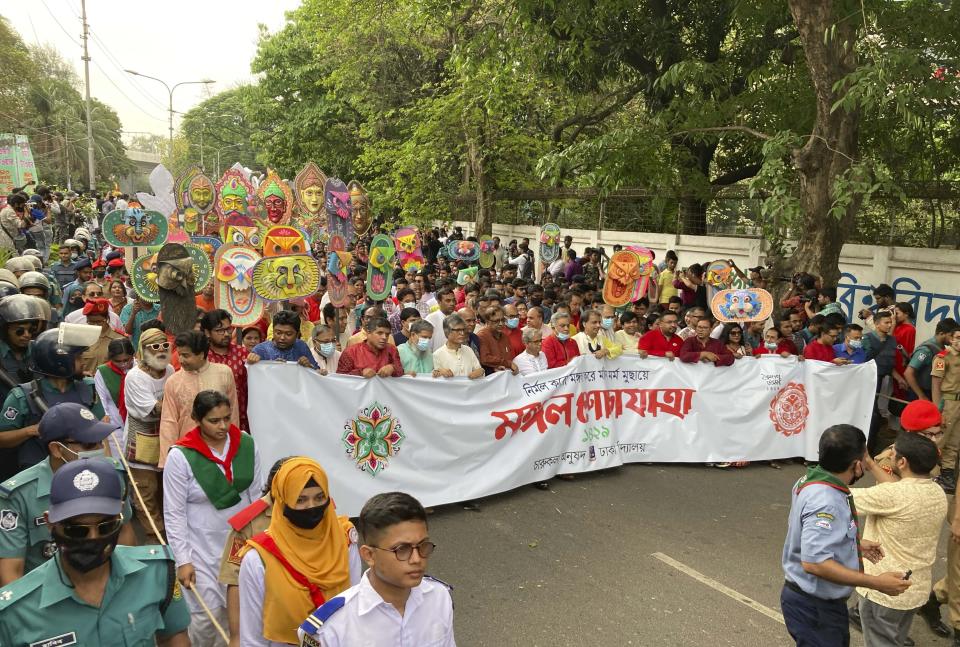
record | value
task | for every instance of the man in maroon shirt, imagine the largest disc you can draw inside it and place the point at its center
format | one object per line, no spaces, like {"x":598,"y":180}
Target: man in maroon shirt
{"x":375,"y":356}
{"x":495,"y":351}
{"x":662,"y":341}
{"x":217,"y":325}
{"x":559,"y":347}
{"x":700,"y":348}
{"x":822,"y":347}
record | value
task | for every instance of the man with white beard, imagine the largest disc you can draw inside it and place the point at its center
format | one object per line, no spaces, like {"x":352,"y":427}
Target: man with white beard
{"x":143,"y":394}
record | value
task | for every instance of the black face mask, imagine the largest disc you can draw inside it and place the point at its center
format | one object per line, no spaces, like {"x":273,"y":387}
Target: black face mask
{"x":85,"y":555}
{"x":308,"y":518}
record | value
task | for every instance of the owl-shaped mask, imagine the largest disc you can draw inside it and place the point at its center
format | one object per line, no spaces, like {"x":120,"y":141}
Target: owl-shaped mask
{"x":235,"y":294}
{"x":283,"y":240}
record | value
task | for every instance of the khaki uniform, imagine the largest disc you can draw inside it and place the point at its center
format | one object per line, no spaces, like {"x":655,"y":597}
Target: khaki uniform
{"x":946,"y":366}
{"x":947,"y":590}
{"x":244,"y":525}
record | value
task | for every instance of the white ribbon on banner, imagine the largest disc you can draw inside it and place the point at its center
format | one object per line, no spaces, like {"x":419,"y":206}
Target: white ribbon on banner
{"x":448,"y":440}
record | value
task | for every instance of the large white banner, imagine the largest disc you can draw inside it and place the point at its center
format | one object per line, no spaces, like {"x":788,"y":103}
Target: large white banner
{"x":448,"y":440}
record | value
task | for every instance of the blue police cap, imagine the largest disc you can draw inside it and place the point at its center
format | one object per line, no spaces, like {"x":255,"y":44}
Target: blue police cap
{"x":73,"y":421}
{"x":85,"y":486}
{"x":82,"y":263}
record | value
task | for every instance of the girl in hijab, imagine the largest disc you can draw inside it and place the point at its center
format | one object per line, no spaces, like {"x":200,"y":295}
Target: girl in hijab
{"x":307,"y":556}
{"x":211,"y":473}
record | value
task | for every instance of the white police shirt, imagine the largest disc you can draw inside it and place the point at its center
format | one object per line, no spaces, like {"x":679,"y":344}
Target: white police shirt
{"x":359,"y":616}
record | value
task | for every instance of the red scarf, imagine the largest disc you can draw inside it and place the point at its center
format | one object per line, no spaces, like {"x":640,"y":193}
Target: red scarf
{"x":194,"y":441}
{"x":121,"y":401}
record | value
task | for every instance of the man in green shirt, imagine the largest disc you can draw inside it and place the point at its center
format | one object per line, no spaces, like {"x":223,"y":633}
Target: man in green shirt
{"x":70,"y":432}
{"x":94,"y":592}
{"x":416,"y":354}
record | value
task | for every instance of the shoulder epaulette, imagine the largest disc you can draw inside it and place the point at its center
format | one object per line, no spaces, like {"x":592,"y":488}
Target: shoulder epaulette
{"x":28,"y":475}
{"x":942,"y":353}
{"x":148,"y":553}
{"x":243,"y":518}
{"x":449,"y":587}
{"x":321,"y":614}
{"x":16,"y":589}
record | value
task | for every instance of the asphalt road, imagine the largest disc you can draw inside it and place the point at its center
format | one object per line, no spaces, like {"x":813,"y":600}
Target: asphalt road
{"x":576,"y":565}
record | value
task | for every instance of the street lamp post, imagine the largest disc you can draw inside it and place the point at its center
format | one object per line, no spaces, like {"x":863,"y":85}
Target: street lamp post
{"x":169,"y":94}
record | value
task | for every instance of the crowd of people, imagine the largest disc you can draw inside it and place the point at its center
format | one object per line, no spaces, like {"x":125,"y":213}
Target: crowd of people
{"x":89,"y":370}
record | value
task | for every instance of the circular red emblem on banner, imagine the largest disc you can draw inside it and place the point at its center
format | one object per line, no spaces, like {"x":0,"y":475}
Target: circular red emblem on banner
{"x":789,"y":410}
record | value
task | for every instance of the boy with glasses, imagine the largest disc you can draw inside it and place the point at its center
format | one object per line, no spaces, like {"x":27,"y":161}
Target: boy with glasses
{"x":395,"y":602}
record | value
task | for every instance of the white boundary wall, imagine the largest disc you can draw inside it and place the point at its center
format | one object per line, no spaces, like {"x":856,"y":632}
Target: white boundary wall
{"x":927,"y":278}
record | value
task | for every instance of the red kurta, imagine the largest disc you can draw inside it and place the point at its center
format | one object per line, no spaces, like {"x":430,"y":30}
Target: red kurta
{"x":657,"y":345}
{"x":236,"y":360}
{"x":816,"y":350}
{"x":691,"y":349}
{"x":360,"y":356}
{"x":559,"y":352}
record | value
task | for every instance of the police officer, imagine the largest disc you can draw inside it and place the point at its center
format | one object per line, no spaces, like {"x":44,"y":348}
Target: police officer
{"x":20,"y":322}
{"x":821,"y":554}
{"x":37,"y":285}
{"x":94,"y":592}
{"x":946,"y":388}
{"x":73,"y":291}
{"x":69,"y":431}
{"x":57,"y":361}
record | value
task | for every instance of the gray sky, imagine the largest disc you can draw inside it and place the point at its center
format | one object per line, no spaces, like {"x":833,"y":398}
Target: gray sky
{"x":174,"y":40}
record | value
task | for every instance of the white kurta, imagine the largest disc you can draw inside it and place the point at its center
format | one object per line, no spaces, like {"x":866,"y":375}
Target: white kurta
{"x":252,"y":589}
{"x":197,"y":531}
{"x":140,"y":393}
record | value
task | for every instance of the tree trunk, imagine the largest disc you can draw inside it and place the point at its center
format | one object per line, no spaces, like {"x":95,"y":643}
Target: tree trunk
{"x":833,"y":145}
{"x":484,"y":208}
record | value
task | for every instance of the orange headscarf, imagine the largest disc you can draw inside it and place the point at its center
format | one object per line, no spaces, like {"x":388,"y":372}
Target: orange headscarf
{"x":319,"y":554}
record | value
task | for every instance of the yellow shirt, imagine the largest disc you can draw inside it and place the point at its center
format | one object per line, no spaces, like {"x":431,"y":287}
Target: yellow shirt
{"x":906,"y":517}
{"x":665,"y":285}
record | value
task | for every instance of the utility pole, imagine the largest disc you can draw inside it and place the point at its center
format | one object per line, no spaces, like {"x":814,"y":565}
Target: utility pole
{"x":66,"y":152}
{"x":86,"y":75}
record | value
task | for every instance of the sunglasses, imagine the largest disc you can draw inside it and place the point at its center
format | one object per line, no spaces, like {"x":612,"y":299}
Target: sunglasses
{"x":22,"y":330}
{"x":165,"y":345}
{"x":405,"y":551}
{"x":82,"y":530}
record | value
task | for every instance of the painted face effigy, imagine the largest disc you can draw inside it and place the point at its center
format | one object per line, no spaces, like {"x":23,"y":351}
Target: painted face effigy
{"x":134,"y":227}
{"x":276,"y":199}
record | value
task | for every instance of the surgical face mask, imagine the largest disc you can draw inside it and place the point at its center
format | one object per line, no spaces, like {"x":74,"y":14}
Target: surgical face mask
{"x":307,"y":518}
{"x":73,"y":256}
{"x":563,"y":336}
{"x":327,"y":348}
{"x":607,"y":323}
{"x":423,"y":344}
{"x":512,"y":322}
{"x":90,"y":453}
{"x":856,"y":343}
{"x":770,"y":345}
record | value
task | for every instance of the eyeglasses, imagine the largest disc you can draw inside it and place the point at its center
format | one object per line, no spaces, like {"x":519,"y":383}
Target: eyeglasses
{"x":222,"y":329}
{"x":165,"y":345}
{"x":19,"y":331}
{"x":458,"y":330}
{"x":104,"y":528}
{"x":405,"y":551}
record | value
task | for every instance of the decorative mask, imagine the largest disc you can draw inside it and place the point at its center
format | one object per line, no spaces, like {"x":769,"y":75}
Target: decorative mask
{"x":286,"y":277}
{"x":549,"y":242}
{"x":276,"y":199}
{"x":309,"y":185}
{"x":622,"y":273}
{"x":719,"y":274}
{"x":337,"y":203}
{"x":234,"y":193}
{"x":283,"y":240}
{"x":338,"y":260}
{"x":647,"y":268}
{"x":360,"y":206}
{"x":194,"y":190}
{"x":208,"y":244}
{"x":179,"y":272}
{"x":750,"y":304}
{"x":134,"y":227}
{"x":246,"y":235}
{"x":487,"y":248}
{"x":191,"y":220}
{"x":380,"y":267}
{"x":234,"y":272}
{"x":463,"y":250}
{"x":409,"y":249}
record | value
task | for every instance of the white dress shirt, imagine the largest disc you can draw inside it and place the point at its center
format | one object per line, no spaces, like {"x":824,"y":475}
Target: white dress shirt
{"x":196,"y":530}
{"x":527,"y":363}
{"x":462,"y":361}
{"x":253,"y":588}
{"x":77,"y":316}
{"x":439,"y":338}
{"x":367,"y":619}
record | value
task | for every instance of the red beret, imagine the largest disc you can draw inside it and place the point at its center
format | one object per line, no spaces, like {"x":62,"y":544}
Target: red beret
{"x":98,"y":264}
{"x":116,"y":262}
{"x":96,"y":307}
{"x":920,"y":415}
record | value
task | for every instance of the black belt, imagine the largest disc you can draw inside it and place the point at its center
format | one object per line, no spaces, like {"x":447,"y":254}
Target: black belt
{"x":793,"y":586}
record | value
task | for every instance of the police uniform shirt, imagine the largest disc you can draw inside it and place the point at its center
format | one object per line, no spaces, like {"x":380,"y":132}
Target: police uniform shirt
{"x":922,"y":361}
{"x":820,"y":527}
{"x":359,"y":616}
{"x":17,"y":414}
{"x":24,"y":533}
{"x":41,"y":608}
